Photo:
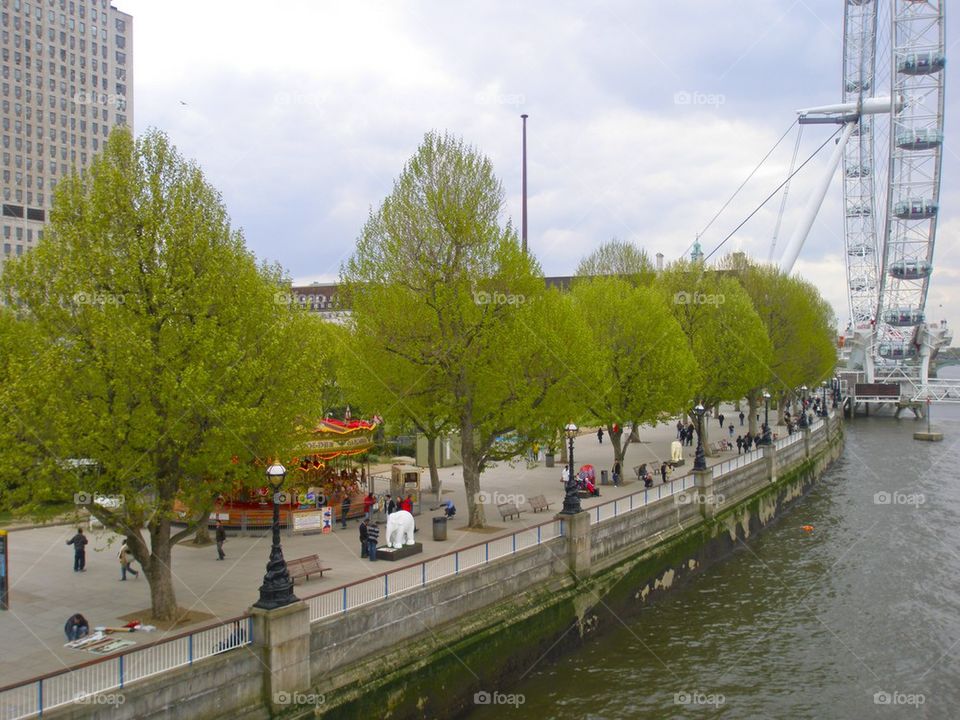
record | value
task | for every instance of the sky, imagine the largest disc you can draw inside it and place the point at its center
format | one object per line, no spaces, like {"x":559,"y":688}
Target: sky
{"x":644,"y":118}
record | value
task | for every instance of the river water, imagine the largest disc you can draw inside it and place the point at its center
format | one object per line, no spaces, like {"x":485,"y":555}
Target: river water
{"x":858,"y":619}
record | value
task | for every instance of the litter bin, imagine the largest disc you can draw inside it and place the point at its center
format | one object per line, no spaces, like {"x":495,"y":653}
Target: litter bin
{"x":439,"y":528}
{"x":604,"y":477}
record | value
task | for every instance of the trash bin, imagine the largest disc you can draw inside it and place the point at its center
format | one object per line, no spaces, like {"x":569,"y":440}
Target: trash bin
{"x":604,"y":477}
{"x":439,"y":528}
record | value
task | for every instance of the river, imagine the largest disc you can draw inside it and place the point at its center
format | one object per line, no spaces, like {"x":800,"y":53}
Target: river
{"x":858,"y":619}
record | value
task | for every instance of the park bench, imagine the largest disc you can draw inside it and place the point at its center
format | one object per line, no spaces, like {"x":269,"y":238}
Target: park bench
{"x":538,"y":503}
{"x":305,"y":567}
{"x":508,"y":510}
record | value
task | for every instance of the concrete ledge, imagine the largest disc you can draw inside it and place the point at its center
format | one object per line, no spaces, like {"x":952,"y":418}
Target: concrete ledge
{"x":928,"y":436}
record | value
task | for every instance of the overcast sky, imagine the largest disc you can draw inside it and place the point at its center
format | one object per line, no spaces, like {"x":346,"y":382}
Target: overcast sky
{"x":645,"y":116}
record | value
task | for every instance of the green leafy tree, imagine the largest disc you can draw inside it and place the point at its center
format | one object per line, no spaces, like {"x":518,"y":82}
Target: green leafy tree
{"x":164,"y":353}
{"x":620,"y":259}
{"x":643,"y":364}
{"x":724,"y":331}
{"x":438,"y":282}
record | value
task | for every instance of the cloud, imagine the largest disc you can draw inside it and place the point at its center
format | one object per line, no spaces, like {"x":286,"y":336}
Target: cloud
{"x":644,"y":118}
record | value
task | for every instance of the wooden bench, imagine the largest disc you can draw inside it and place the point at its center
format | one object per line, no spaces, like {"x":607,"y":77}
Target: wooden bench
{"x":508,"y":510}
{"x":538,"y":503}
{"x":305,"y":567}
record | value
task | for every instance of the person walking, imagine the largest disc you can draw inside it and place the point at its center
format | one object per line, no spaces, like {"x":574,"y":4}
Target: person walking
{"x":79,"y":542}
{"x":220,"y":535}
{"x":739,"y":444}
{"x":720,"y":419}
{"x":616,"y":473}
{"x":373,"y":535}
{"x":344,"y":509}
{"x":742,"y":417}
{"x":363,"y":538}
{"x":391,"y":505}
{"x":368,"y":503}
{"x":680,"y":430}
{"x":664,"y":469}
{"x":126,"y":559}
{"x":600,"y":435}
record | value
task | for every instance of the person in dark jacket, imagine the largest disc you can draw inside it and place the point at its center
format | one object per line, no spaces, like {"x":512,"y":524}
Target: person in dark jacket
{"x":344,"y":511}
{"x":373,"y":536}
{"x":391,"y":505}
{"x":221,"y":537}
{"x":363,"y":538}
{"x":79,"y":542}
{"x":76,"y":627}
{"x":600,"y":435}
{"x":663,"y":471}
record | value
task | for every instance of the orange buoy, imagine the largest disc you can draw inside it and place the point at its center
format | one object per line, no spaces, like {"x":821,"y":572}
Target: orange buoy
{"x":807,"y":528}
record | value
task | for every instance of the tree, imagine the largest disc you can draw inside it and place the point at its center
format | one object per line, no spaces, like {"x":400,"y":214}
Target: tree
{"x":437,"y":281}
{"x":167,"y":356}
{"x":799,"y":323}
{"x":620,"y":259}
{"x":724,"y":332}
{"x":644,"y":366}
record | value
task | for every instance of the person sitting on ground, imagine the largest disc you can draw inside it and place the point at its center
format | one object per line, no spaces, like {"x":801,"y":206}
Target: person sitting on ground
{"x":76,"y":627}
{"x":449,"y":509}
{"x":648,"y":480}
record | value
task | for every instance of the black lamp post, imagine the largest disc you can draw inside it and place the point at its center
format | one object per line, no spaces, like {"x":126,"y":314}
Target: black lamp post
{"x":277,"y":588}
{"x":803,"y":406}
{"x":766,"y":418}
{"x":699,"y":460}
{"x":571,"y":500}
{"x":823,"y":408}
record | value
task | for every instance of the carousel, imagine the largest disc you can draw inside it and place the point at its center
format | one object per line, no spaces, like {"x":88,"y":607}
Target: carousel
{"x":329,"y":468}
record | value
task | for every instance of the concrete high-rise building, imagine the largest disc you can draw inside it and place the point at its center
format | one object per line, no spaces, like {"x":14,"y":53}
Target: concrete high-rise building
{"x":67,"y":80}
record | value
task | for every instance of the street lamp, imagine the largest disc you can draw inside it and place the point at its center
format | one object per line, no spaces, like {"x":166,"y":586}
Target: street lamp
{"x":277,"y":588}
{"x":823,"y":409}
{"x":766,"y":418}
{"x":699,"y":461}
{"x":803,"y":406}
{"x":571,"y":500}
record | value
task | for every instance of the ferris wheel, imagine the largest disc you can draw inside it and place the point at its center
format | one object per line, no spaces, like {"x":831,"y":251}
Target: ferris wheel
{"x":891,"y":149}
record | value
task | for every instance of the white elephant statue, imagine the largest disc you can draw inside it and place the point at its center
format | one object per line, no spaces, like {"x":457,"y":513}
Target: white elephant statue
{"x":399,"y":529}
{"x":676,"y":451}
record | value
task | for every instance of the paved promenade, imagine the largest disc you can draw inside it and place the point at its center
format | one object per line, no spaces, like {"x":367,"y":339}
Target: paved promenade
{"x":45,"y":590}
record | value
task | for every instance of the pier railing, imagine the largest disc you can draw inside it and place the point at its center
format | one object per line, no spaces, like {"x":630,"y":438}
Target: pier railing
{"x":78,"y":683}
{"x":393,"y":582}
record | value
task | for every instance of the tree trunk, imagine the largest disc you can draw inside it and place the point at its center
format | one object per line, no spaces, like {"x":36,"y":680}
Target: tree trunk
{"x":158,"y":571}
{"x":619,"y":447}
{"x":752,"y":411}
{"x":432,"y":464}
{"x":203,"y":536}
{"x":781,"y":403}
{"x":563,"y":450}
{"x":476,"y":518}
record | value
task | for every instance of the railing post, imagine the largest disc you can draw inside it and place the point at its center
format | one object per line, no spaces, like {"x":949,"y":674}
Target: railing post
{"x":706,"y":499}
{"x":344,"y":599}
{"x":120,"y":667}
{"x":423,"y":573}
{"x":386,"y":585}
{"x":40,"y":698}
{"x":190,"y":649}
{"x":456,"y":563}
{"x":538,"y":534}
{"x":486,"y":551}
{"x":514,"y":538}
{"x":770,"y":455}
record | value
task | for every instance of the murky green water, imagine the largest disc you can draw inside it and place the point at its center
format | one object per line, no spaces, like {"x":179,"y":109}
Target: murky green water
{"x":859,"y":619}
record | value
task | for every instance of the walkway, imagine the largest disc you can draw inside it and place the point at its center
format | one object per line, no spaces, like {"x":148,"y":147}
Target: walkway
{"x":45,"y":590}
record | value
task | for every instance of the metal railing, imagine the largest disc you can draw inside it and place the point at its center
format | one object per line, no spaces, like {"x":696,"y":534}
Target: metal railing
{"x":789,"y":440}
{"x":384,"y":585}
{"x":737,"y":462}
{"x":79,"y":683}
{"x":640,"y":498}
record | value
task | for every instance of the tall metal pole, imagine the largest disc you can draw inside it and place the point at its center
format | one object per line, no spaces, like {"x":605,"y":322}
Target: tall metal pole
{"x":523,"y":181}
